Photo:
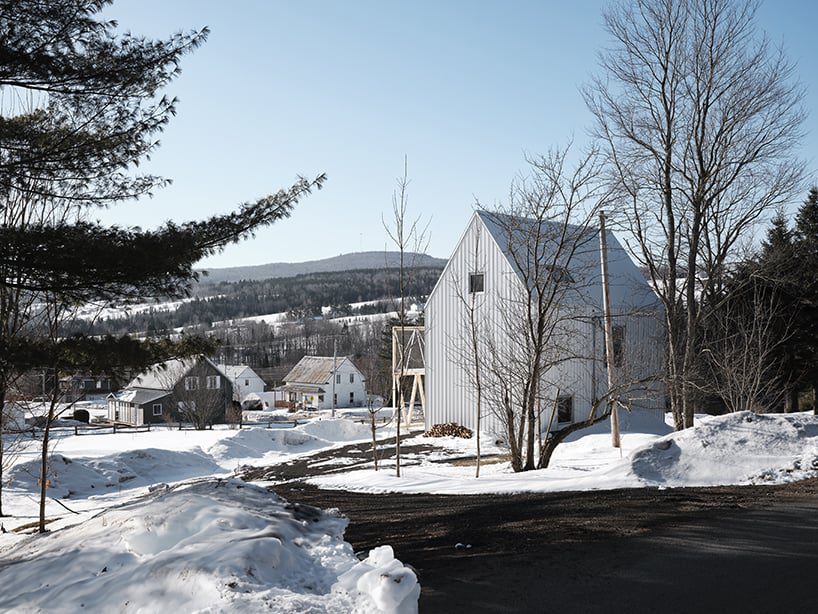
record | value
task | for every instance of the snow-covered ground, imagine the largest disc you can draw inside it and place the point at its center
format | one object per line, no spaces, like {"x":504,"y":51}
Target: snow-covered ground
{"x":740,"y":448}
{"x":155,"y":520}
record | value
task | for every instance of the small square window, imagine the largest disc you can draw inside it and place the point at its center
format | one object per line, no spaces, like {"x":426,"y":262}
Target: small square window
{"x":213,"y":382}
{"x":191,"y":383}
{"x":157,"y":409}
{"x":565,"y":409}
{"x":475,"y":283}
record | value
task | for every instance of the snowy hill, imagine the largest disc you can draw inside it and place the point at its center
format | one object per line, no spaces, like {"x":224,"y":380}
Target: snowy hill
{"x":344,"y":262}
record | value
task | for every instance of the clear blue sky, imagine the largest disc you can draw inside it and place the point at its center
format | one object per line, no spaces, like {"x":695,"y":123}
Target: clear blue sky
{"x":463,"y":89}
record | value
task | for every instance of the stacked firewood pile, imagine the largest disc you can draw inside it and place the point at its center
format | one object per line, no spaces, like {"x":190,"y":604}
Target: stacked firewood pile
{"x":450,"y":429}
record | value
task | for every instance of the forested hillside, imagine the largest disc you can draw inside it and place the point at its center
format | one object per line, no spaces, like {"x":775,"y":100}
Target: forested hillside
{"x":302,"y":295}
{"x":345,"y":262}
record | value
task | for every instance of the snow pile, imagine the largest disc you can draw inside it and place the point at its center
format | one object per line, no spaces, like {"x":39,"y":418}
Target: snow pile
{"x":94,"y":465}
{"x":307,"y":437}
{"x":338,"y":429}
{"x":739,"y":448}
{"x":214,"y":546}
{"x":84,"y":477}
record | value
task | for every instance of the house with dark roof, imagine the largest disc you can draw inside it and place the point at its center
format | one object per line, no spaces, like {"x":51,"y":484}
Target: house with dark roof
{"x":172,"y":390}
{"x":314,"y":380}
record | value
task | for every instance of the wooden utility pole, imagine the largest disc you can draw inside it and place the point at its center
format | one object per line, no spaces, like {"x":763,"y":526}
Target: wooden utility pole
{"x":334,"y":369}
{"x":609,"y":345}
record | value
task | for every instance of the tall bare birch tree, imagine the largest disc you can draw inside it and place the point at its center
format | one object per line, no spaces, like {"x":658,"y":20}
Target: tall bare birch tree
{"x":700,"y":116}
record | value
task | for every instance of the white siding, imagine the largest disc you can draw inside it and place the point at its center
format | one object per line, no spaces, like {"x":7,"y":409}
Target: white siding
{"x":449,"y":386}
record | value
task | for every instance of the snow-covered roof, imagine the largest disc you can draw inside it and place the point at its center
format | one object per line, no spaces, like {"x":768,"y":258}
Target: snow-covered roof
{"x":234,"y":372}
{"x":315,"y":369}
{"x":140,"y":396}
{"x":165,"y":377}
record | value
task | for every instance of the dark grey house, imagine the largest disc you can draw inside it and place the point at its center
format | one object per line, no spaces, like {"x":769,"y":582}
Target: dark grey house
{"x":193,"y":390}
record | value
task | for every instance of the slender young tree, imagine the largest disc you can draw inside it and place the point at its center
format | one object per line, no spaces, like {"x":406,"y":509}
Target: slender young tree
{"x":409,"y":236}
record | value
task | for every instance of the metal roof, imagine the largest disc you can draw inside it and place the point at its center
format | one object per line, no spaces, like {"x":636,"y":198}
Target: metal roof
{"x":314,"y":370}
{"x":140,"y":396}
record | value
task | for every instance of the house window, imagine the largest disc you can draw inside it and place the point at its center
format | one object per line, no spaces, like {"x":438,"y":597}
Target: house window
{"x":351,"y":378}
{"x":565,"y":409}
{"x":351,"y":398}
{"x":335,"y":399}
{"x":337,"y":378}
{"x":247,"y":382}
{"x":191,"y":383}
{"x":320,"y":398}
{"x":476,"y":283}
{"x":157,"y":409}
{"x":213,"y":382}
{"x":99,"y":384}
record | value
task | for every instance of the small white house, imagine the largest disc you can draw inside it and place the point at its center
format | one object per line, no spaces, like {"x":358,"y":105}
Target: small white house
{"x":310,"y":383}
{"x":484,"y":271}
{"x":243,"y":379}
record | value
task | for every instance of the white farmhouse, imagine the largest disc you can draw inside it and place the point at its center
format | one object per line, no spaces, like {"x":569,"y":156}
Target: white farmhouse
{"x":310,"y":382}
{"x":486,"y":274}
{"x":244,"y":380}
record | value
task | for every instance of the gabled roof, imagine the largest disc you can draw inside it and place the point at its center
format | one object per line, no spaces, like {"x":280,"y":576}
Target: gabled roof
{"x":315,"y":370}
{"x":509,"y":229}
{"x":140,"y":396}
{"x":165,"y":377}
{"x":628,"y":287}
{"x":234,"y":372}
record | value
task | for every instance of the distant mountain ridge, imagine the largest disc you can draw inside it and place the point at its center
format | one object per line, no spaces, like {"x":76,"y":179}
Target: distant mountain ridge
{"x":344,"y":262}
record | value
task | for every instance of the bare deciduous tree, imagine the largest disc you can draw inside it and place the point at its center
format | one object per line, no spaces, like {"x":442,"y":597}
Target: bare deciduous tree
{"x":409,"y":236}
{"x":198,"y":396}
{"x":546,"y":223}
{"x":742,"y":344}
{"x":700,"y":118}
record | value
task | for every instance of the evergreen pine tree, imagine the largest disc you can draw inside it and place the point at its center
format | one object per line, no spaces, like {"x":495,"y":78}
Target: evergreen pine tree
{"x":85,"y":108}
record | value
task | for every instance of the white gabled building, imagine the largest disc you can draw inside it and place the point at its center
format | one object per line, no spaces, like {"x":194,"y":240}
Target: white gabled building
{"x":482,"y":263}
{"x":243,"y":379}
{"x":310,"y":382}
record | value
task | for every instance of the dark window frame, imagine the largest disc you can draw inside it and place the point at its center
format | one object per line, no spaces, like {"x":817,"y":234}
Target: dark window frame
{"x":477,"y":283}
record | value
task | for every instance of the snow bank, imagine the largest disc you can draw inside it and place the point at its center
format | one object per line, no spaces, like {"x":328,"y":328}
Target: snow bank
{"x":95,"y":465}
{"x":212,"y":546}
{"x":84,"y":477}
{"x":739,"y":448}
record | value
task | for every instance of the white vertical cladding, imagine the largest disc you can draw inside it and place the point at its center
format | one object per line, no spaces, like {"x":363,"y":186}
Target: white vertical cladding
{"x":450,"y":394}
{"x":449,"y":388}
